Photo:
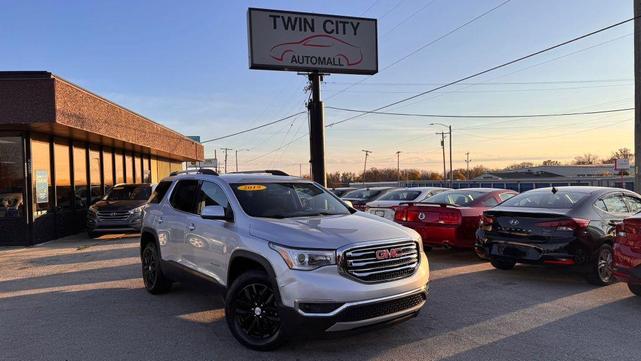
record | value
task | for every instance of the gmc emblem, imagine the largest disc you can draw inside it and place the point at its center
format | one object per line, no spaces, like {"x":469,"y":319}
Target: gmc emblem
{"x":382,"y":254}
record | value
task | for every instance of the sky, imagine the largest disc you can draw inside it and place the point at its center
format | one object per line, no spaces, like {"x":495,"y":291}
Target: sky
{"x":185,"y":65}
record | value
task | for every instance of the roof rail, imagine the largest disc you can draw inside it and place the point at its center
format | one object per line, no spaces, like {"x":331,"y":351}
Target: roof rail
{"x":268,"y":171}
{"x":195,"y":171}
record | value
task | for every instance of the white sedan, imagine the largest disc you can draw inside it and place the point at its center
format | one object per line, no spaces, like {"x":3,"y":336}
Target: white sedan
{"x":385,"y":206}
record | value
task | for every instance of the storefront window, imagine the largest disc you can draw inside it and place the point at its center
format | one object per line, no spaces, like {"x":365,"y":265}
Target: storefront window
{"x":63,"y":174}
{"x":41,"y":173}
{"x":176,"y":166}
{"x":163,"y":168}
{"x":80,"y":174}
{"x":129,"y":168}
{"x":119,"y":164}
{"x":138,"y":168}
{"x":94,"y":176}
{"x":146,"y":168}
{"x":154,"y":170}
{"x":107,"y":169}
{"x":11,"y":177}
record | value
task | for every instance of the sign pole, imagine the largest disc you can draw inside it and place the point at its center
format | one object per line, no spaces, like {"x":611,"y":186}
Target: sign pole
{"x":637,"y":96}
{"x":317,"y":130}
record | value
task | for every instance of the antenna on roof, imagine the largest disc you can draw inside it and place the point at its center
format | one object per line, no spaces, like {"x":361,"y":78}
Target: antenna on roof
{"x":554,"y":190}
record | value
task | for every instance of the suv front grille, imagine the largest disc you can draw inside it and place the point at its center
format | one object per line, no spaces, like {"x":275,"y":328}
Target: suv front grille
{"x":364,"y":312}
{"x":117,"y":216}
{"x":381,"y":262}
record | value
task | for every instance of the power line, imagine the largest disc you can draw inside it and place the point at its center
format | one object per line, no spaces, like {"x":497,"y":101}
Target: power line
{"x":491,"y":83}
{"x":477,"y":116}
{"x":422,"y":47}
{"x":254,"y":128}
{"x":487,"y":70}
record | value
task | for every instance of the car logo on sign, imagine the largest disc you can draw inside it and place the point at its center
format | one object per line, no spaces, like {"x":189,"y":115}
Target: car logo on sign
{"x":514,"y":221}
{"x":382,"y":254}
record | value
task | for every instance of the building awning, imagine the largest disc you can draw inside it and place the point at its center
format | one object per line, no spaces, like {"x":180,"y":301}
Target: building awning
{"x":43,"y":102}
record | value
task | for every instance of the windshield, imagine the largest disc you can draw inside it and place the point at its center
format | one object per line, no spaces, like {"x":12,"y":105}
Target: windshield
{"x":459,"y":198}
{"x":402,"y":195}
{"x":129,"y":193}
{"x":546,"y":199}
{"x":286,"y":200}
{"x":363,"y":194}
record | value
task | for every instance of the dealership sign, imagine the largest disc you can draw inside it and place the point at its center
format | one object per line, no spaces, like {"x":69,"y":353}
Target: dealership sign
{"x":621,"y":164}
{"x":283,"y":40}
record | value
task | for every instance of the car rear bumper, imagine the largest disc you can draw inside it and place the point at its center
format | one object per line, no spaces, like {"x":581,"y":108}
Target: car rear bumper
{"x":442,"y":235}
{"x":533,"y":253}
{"x":354,"y":315}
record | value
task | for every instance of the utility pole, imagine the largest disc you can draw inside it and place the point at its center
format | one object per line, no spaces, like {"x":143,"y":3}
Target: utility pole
{"x":398,"y":167}
{"x":236,"y":158}
{"x":216,"y":157}
{"x":316,"y":130}
{"x":367,"y":152}
{"x":443,"y":148}
{"x":637,"y":95}
{"x":225,"y":150}
{"x":451,"y":169}
{"x":300,"y":170}
{"x":467,"y":164}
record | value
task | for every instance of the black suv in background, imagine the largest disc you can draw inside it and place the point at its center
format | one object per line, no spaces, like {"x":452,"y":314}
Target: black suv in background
{"x":120,"y":210}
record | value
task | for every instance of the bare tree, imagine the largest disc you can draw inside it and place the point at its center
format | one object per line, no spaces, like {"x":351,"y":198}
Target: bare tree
{"x":586,"y":159}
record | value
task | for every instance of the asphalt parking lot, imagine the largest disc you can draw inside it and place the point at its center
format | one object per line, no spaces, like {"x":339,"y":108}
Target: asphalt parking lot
{"x":79,"y":299}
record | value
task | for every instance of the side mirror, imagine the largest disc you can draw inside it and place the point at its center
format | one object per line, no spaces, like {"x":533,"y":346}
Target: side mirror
{"x":349,"y":203}
{"x":215,"y":212}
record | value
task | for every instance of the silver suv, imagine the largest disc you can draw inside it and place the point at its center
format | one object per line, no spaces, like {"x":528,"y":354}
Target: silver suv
{"x":293,"y":257}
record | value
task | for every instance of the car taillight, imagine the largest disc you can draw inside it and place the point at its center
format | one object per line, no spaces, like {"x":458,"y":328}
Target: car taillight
{"x":449,"y":218}
{"x":400,"y":214}
{"x":570,"y":224}
{"x":486,"y":222}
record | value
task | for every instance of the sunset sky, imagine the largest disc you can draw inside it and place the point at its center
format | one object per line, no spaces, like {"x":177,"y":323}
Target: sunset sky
{"x":184,"y":64}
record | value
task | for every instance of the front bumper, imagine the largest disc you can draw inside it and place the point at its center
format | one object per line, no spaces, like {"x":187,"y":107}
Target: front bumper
{"x":355,"y":315}
{"x":627,"y":264}
{"x":133,"y":223}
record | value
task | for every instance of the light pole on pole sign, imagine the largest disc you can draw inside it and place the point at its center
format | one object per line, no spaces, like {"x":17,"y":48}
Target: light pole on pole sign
{"x":315,"y":44}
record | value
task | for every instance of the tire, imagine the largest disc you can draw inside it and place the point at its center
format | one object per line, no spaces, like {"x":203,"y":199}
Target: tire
{"x":503,"y":264}
{"x":636,"y":289}
{"x":92,"y":234}
{"x":251,"y":311}
{"x":600,"y":273}
{"x":155,"y":281}
{"x":427,"y":249}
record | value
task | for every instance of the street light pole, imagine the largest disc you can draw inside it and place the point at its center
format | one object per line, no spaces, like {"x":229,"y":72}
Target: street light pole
{"x":226,"y":150}
{"x":443,"y":148}
{"x":367,"y":152}
{"x":467,"y":164}
{"x":451,"y":169}
{"x":398,"y":167}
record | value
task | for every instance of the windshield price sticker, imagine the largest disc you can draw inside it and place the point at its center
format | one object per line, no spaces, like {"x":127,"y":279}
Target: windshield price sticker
{"x":251,"y":187}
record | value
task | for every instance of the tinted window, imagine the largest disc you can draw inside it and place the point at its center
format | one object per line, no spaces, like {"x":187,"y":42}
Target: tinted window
{"x":212,"y":195}
{"x":506,"y":196}
{"x":183,"y":197}
{"x":490,"y":202}
{"x":615,"y":204}
{"x":634,"y":203}
{"x":600,"y":204}
{"x":285,"y":200}
{"x":402,"y":195}
{"x":129,"y":193}
{"x":11,"y":177}
{"x":160,"y":191}
{"x":363,"y":194}
{"x":546,"y":199}
{"x":458,"y":197}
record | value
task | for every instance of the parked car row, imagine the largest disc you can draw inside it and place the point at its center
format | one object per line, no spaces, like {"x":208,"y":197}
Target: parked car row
{"x":596,"y":229}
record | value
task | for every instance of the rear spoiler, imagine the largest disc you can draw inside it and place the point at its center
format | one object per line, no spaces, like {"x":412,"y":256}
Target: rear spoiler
{"x":444,"y":205}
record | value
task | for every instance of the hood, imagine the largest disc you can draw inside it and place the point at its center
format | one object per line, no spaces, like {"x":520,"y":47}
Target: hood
{"x":110,"y":206}
{"x":328,"y":232}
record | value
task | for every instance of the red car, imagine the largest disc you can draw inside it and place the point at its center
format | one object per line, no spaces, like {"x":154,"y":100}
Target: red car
{"x":450,"y":218}
{"x":627,"y":253}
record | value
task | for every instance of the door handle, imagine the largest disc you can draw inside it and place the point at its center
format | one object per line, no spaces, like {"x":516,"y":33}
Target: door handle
{"x":192,"y":227}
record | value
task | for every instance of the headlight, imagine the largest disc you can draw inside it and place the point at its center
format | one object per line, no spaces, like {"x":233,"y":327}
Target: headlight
{"x":137,"y":210}
{"x":305,"y":259}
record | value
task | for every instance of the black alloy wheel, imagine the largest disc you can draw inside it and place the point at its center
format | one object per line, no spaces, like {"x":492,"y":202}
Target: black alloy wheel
{"x":154,"y":279}
{"x":602,"y":273}
{"x":251,"y":312}
{"x":503,"y":264}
